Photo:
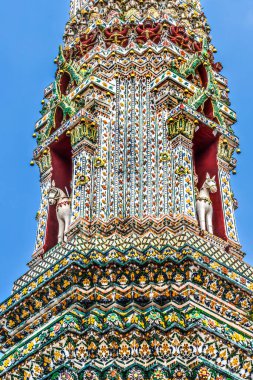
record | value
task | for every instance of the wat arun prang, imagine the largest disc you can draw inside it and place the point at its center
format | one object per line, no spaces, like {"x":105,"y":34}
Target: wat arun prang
{"x":137,"y":271}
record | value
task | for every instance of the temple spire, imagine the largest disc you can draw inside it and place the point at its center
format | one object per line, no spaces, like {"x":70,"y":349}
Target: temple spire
{"x":137,"y":270}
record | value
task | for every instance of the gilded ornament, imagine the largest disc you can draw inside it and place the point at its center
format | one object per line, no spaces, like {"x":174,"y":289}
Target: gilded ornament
{"x":180,"y":125}
{"x":164,"y":157}
{"x":82,"y":180}
{"x":181,"y":170}
{"x":99,"y":162}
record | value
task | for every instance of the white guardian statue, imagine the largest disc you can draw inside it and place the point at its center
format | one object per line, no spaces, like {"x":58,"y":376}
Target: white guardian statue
{"x":204,"y":204}
{"x":62,"y":201}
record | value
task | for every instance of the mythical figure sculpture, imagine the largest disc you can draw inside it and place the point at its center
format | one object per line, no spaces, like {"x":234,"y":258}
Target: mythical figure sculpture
{"x":62,"y":201}
{"x":204,"y":204}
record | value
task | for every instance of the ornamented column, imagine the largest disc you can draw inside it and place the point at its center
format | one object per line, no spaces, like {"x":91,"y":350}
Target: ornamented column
{"x":181,"y":131}
{"x":225,"y":153}
{"x":45,"y":165}
{"x":83,"y":137}
{"x":165,"y":166}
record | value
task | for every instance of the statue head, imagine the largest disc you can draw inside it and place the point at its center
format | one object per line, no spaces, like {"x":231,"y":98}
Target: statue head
{"x":53,"y":194}
{"x":210,"y":183}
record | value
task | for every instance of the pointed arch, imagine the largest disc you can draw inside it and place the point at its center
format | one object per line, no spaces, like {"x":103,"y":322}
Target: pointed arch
{"x":58,"y":118}
{"x":61,"y":154}
{"x":205,"y":150}
{"x":201,"y":70}
{"x":64,"y":82}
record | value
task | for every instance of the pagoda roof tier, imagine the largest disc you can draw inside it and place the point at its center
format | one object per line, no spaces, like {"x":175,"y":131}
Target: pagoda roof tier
{"x":178,"y":278}
{"x":123,"y":250}
{"x":72,"y":327}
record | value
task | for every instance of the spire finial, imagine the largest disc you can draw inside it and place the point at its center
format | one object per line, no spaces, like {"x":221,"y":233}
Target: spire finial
{"x":74,"y":6}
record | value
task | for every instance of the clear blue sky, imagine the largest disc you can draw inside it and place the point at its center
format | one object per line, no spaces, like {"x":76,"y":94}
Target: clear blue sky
{"x":30,"y":33}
